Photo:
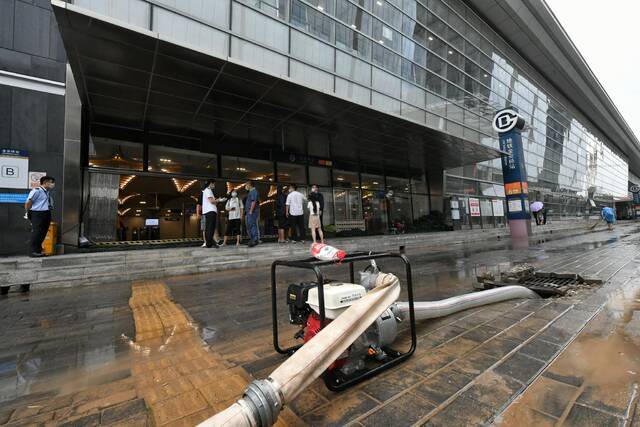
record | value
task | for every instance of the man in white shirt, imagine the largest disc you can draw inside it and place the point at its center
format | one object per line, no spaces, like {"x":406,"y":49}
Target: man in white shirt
{"x":210,"y":212}
{"x":295,"y":213}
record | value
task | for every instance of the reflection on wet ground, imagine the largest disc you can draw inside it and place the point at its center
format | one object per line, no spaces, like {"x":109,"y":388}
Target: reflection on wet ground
{"x":594,"y":382}
{"x":65,"y":340}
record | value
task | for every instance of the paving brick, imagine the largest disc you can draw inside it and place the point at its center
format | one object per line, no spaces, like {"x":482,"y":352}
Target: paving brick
{"x":442,"y":386}
{"x":525,"y":416}
{"x":540,"y":349}
{"x":177,"y":407}
{"x":458,"y":346}
{"x":518,"y":333}
{"x":440,"y":336}
{"x":341,"y":411}
{"x":123,"y":411}
{"x":405,"y":410}
{"x":86,"y":421}
{"x":388,"y":385}
{"x":497,"y":347}
{"x":549,"y":396}
{"x":611,"y":396}
{"x":114,"y":399}
{"x":474,"y":364}
{"x":493,"y":390}
{"x":307,"y":402}
{"x":556,"y":336}
{"x":533,"y":323}
{"x":430,"y":362}
{"x":502,"y":322}
{"x":461,"y":412}
{"x":520,"y":367}
{"x":482,"y":333}
{"x":583,"y":416}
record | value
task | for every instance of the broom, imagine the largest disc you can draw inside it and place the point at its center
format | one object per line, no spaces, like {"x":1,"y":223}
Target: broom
{"x":594,"y":225}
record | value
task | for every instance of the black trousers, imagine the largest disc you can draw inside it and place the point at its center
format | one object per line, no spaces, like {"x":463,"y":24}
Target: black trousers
{"x":40,"y":221}
{"x":296,"y":222}
{"x":210,"y":222}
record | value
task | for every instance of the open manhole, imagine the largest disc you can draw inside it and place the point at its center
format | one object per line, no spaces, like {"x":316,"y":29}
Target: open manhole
{"x":546,"y":284}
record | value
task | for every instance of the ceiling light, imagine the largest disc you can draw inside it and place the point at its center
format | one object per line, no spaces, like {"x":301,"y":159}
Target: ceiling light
{"x":320,"y":7}
{"x":381,"y":41}
{"x":450,"y":52}
{"x":354,"y":26}
{"x":142,"y":202}
{"x":138,"y":210}
{"x":486,"y":75}
{"x":379,"y":3}
{"x":430,"y":38}
{"x":164,"y":170}
{"x":340,"y":178}
{"x":375,"y":182}
{"x":137,"y":214}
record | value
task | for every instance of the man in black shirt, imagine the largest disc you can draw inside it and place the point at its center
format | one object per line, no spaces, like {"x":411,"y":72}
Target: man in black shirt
{"x":316,"y":189}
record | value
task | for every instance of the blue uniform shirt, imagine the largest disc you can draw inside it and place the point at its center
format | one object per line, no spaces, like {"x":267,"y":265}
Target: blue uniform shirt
{"x":252,"y":197}
{"x":41,"y":200}
{"x":608,"y":214}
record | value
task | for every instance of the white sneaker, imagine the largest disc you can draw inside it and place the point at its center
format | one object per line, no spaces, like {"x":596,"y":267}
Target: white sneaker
{"x":204,"y":245}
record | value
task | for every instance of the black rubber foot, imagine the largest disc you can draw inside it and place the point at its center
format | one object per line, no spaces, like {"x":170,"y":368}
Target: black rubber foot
{"x":25,"y":288}
{"x":4,"y":290}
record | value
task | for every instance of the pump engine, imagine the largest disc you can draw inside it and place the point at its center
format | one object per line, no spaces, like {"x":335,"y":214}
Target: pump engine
{"x":303,"y":304}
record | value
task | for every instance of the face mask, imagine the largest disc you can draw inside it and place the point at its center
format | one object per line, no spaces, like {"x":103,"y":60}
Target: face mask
{"x":234,"y":194}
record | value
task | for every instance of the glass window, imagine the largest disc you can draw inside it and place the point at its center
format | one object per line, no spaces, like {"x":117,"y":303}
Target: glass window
{"x":277,"y":8}
{"x":372,"y":182}
{"x":413,"y":94}
{"x":135,"y":12}
{"x":319,"y":176}
{"x":355,"y":69}
{"x":216,"y":13}
{"x":291,"y":172}
{"x":436,"y":84}
{"x":414,"y":73}
{"x":352,"y":41}
{"x":413,"y":113}
{"x":420,"y":207}
{"x":323,"y":5}
{"x":311,"y":76}
{"x":311,"y":20}
{"x":384,"y":103}
{"x":243,"y":168}
{"x":387,"y":13}
{"x":386,"y":59}
{"x":385,"y":82}
{"x":258,"y":56}
{"x":112,"y":153}
{"x":374,"y":209}
{"x":436,"y":104}
{"x":353,"y":16}
{"x":414,"y":52}
{"x":176,"y":160}
{"x":188,"y":31}
{"x":345,"y":179}
{"x":256,"y":26}
{"x":386,"y":35}
{"x":352,"y":91}
{"x":311,"y":50}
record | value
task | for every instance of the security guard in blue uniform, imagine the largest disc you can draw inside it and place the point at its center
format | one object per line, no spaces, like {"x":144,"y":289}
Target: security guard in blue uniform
{"x":39,"y":206}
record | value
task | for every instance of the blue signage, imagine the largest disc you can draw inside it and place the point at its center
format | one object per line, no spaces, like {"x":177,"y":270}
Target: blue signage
{"x":509,"y":125}
{"x":19,"y":198}
{"x":12,"y":152}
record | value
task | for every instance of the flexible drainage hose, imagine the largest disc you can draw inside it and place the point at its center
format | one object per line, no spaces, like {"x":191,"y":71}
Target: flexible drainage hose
{"x":431,"y":309}
{"x":263,"y":400}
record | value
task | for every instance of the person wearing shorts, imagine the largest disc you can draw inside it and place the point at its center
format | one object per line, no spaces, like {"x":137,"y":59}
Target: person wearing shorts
{"x":234,"y":222}
{"x":314,"y":217}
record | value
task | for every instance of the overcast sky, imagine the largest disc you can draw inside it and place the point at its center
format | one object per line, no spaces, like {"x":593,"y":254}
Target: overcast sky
{"x":607,"y":33}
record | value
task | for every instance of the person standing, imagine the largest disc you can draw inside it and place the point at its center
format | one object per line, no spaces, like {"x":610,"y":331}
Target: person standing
{"x":38,"y":206}
{"x":314,"y":217}
{"x":609,"y":215}
{"x":281,"y":214}
{"x":234,"y":221}
{"x":316,"y":190}
{"x":295,"y":213}
{"x":252,"y":212}
{"x":210,"y":212}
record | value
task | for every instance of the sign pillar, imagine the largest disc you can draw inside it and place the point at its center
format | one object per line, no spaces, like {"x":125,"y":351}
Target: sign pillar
{"x":509,"y":126}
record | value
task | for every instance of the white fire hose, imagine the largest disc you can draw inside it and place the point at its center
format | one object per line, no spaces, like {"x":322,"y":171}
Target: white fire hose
{"x":264,"y":399}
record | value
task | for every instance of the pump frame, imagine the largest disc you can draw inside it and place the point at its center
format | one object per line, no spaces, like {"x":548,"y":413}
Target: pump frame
{"x":332,"y":383}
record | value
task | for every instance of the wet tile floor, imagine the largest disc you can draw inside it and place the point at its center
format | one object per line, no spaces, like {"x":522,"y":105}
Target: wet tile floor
{"x":66,"y":353}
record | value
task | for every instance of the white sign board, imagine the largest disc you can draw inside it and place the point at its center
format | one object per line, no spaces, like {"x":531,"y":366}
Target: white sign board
{"x":454,"y":204}
{"x":455,"y":214}
{"x":34,"y":179}
{"x":515,"y":205}
{"x":14,"y":172}
{"x":474,"y":206}
{"x":498,"y":207}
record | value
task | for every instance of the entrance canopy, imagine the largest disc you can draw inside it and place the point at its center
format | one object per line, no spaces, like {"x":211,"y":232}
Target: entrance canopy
{"x":138,"y":86}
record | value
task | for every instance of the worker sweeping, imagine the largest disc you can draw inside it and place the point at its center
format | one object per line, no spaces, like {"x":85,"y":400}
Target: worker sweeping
{"x":609,"y":215}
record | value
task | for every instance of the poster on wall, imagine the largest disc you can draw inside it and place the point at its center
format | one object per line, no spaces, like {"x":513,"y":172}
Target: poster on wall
{"x":498,"y":208}
{"x":14,"y":169}
{"x":455,"y":214}
{"x":515,"y":205}
{"x":474,"y":206}
{"x":34,"y":179}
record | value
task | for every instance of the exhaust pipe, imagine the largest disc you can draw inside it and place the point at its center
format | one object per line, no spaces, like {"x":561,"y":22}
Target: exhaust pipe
{"x":264,"y":399}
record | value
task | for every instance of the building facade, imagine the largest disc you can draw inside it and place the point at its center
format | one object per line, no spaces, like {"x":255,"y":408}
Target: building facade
{"x":386,"y":104}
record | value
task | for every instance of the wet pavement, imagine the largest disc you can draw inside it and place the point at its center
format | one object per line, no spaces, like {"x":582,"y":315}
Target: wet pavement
{"x":66,"y":352}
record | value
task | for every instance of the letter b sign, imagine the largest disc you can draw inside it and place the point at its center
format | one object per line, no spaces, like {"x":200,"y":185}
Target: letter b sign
{"x":10,"y":172}
{"x":14,"y":172}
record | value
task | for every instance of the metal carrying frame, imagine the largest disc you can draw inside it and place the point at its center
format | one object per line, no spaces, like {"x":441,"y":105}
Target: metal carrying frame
{"x":314,"y":264}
